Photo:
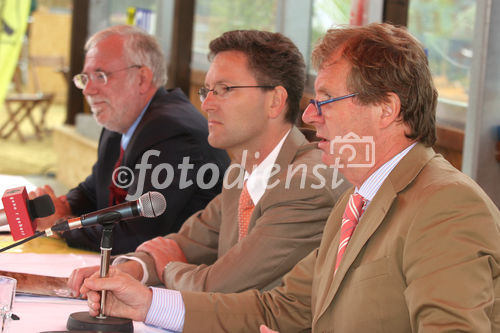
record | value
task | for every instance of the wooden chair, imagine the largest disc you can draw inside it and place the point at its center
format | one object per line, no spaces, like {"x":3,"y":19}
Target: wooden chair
{"x":22,"y":105}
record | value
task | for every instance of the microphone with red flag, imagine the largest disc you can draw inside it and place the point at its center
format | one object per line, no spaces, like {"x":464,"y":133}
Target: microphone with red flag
{"x":20,"y":212}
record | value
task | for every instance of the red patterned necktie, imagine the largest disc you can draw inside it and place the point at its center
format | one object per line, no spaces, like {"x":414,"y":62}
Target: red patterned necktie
{"x":353,"y":211}
{"x":116,"y":194}
{"x":245,"y":209}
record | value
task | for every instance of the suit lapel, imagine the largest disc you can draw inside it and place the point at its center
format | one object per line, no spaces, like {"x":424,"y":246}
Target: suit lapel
{"x":325,"y":285}
{"x":368,"y":224}
{"x":402,"y":175}
{"x":293,"y":144}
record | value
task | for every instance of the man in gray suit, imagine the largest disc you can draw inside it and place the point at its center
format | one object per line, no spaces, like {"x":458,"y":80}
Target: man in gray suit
{"x":251,"y":96}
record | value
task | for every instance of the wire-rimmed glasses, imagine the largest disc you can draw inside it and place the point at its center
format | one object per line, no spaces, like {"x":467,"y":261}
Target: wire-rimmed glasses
{"x":222,"y":89}
{"x":100,"y":77}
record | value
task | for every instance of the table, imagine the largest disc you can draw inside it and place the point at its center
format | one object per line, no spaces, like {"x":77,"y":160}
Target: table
{"x":52,"y":257}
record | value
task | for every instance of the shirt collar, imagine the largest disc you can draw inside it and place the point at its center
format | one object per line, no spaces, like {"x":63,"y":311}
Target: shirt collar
{"x":371,"y":186}
{"x":127,"y":136}
{"x":258,"y":179}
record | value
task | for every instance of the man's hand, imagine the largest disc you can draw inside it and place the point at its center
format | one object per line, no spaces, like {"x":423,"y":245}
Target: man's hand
{"x":126,"y":297}
{"x":62,"y":208}
{"x":265,"y":329}
{"x":163,"y":251}
{"x":77,"y":277}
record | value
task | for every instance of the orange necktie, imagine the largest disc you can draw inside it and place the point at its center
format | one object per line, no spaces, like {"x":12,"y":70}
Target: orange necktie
{"x":245,"y":209}
{"x":353,"y":211}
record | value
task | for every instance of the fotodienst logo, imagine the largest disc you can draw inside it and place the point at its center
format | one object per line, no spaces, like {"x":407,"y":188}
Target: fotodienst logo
{"x":184,"y":175}
{"x":162,"y":175}
{"x":354,"y":151}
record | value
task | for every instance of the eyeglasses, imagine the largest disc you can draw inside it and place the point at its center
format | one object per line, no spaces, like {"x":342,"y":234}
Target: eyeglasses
{"x":99,"y":77}
{"x":222,"y":89}
{"x":318,"y":104}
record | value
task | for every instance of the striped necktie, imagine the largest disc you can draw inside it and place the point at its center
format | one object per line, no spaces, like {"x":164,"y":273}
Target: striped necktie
{"x":353,"y":211}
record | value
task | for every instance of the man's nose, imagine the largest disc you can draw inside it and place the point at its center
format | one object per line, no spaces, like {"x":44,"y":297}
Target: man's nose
{"x":310,"y":115}
{"x":205,"y":105}
{"x":89,"y":89}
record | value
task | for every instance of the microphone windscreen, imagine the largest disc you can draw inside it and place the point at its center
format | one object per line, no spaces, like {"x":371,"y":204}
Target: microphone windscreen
{"x":153,"y":204}
{"x":41,"y":206}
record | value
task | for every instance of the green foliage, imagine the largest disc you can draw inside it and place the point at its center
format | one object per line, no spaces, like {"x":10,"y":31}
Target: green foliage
{"x":326,"y":14}
{"x":446,"y":30}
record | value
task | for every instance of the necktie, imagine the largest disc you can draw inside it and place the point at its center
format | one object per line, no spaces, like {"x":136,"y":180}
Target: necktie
{"x":353,"y":211}
{"x":245,"y":209}
{"x":116,"y":194}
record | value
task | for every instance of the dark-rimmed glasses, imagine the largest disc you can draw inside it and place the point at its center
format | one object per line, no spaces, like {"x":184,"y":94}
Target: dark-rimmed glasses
{"x":99,"y":77}
{"x":222,"y":89}
{"x":318,"y":104}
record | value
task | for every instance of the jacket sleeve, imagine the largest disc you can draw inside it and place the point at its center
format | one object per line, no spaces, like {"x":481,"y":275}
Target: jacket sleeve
{"x":289,"y":226}
{"x":82,"y":198}
{"x":286,"y":308}
{"x":199,"y":236}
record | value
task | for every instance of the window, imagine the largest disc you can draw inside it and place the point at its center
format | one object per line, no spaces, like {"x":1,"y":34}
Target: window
{"x":213,"y":17}
{"x":446,"y":29}
{"x":327,"y":14}
{"x":302,"y":21}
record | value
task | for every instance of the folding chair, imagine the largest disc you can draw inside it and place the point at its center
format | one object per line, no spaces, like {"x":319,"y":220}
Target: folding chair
{"x":22,"y":105}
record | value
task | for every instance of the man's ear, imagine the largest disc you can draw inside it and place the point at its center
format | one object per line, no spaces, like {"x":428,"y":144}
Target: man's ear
{"x":390,"y":110}
{"x":278,"y":101}
{"x":145,"y":79}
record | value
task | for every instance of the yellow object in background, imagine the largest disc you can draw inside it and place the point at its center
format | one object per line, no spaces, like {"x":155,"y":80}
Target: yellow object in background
{"x":13,"y":23}
{"x":131,"y":15}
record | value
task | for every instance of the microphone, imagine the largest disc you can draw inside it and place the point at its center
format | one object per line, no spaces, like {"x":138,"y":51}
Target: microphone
{"x":19,"y":212}
{"x":150,"y":204}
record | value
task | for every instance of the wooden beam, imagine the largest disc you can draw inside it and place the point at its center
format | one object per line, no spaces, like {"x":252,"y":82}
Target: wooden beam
{"x":79,"y":31}
{"x":396,"y":12}
{"x":179,"y":71}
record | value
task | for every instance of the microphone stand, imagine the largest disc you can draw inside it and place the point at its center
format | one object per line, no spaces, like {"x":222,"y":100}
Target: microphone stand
{"x":82,"y":321}
{"x":107,"y":237}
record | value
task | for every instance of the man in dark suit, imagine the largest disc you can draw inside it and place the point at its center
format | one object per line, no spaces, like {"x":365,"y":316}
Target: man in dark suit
{"x":414,"y":246}
{"x":153,"y":140}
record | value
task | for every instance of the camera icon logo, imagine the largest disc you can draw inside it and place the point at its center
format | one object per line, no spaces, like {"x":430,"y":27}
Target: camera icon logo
{"x":359,"y":152}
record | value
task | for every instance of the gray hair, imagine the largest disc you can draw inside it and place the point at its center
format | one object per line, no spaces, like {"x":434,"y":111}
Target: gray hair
{"x":140,"y":48}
